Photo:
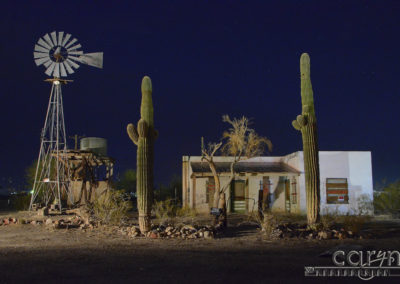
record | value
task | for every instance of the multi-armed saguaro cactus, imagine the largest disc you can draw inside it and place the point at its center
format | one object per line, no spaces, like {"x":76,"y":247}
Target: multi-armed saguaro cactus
{"x":307,"y":124}
{"x":143,"y":137}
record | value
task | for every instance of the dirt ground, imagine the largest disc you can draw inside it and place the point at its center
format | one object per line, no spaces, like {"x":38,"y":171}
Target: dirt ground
{"x":40,"y":254}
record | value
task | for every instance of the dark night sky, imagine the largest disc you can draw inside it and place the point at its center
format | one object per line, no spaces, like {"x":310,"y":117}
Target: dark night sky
{"x":206,"y":59}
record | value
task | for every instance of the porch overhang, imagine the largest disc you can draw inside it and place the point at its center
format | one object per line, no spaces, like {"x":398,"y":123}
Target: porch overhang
{"x":202,"y":169}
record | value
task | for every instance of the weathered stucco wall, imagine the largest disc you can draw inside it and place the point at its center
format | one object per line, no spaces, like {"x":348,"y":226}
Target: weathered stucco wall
{"x":200,"y":195}
{"x":355,"y":166}
{"x":96,"y":191}
{"x":277,"y":194}
{"x":254,"y":188}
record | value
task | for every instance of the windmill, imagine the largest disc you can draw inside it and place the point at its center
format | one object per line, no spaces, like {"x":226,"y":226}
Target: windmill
{"x":60,"y":54}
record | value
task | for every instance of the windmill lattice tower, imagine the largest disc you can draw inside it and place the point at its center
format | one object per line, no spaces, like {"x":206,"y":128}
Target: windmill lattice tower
{"x":60,"y":55}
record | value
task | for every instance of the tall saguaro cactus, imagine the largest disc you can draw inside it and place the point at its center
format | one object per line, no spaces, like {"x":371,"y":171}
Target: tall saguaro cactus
{"x":307,"y":124}
{"x":143,"y":137}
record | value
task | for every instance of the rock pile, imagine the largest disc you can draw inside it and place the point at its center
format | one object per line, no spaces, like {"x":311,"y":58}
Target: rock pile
{"x":158,"y":231}
{"x":290,"y":230}
{"x":11,"y":221}
{"x":8,"y":221}
{"x":70,"y":222}
{"x":170,"y":231}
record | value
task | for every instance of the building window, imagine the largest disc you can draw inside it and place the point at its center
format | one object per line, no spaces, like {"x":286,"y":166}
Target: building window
{"x":337,"y":191}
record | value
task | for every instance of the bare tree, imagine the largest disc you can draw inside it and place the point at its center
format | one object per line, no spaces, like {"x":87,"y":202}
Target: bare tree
{"x":208,"y":156}
{"x":239,"y":142}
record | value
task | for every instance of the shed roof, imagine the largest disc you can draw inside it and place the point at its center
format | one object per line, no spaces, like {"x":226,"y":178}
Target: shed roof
{"x":244,"y":167}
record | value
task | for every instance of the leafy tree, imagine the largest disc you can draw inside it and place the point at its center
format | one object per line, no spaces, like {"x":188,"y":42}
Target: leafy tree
{"x":30,"y":172}
{"x":127,"y":181}
{"x":173,"y":190}
{"x":387,"y":201}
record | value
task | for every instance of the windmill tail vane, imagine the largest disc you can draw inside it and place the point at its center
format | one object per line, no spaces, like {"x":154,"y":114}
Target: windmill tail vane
{"x":94,"y":59}
{"x":62,"y":54}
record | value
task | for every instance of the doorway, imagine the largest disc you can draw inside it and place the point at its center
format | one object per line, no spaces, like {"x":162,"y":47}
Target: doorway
{"x":238,"y":196}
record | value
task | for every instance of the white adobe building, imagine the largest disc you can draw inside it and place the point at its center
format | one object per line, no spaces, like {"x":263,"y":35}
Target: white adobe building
{"x":345,"y":177}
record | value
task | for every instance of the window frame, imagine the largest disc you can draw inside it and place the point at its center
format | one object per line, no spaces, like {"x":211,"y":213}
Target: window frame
{"x":338,"y":188}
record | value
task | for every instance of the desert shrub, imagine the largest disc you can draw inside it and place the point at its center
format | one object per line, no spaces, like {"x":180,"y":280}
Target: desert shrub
{"x":167,"y":209}
{"x":387,"y":201}
{"x":111,"y":207}
{"x":268,"y":221}
{"x":329,"y":218}
{"x":354,"y":223}
{"x":127,"y":181}
{"x":186,"y":211}
{"x":164,"y":209}
{"x":254,"y":216}
{"x":327,"y":221}
{"x":365,"y":205}
{"x":172,"y":190}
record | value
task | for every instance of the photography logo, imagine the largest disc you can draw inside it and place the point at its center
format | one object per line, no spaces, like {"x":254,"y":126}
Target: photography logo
{"x":363,"y":264}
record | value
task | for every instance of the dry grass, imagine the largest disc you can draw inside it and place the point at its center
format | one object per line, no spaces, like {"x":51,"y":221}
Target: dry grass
{"x":186,"y":211}
{"x":354,"y":223}
{"x":111,"y":207}
{"x":348,"y":222}
{"x":164,"y":209}
{"x":327,"y":221}
{"x":167,"y":211}
{"x":271,"y":220}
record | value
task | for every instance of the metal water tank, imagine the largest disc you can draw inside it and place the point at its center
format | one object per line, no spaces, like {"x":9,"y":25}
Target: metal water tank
{"x":95,"y":144}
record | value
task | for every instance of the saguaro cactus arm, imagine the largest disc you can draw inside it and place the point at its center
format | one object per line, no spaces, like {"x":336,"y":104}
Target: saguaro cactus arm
{"x":296,"y":125}
{"x":132,"y":133}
